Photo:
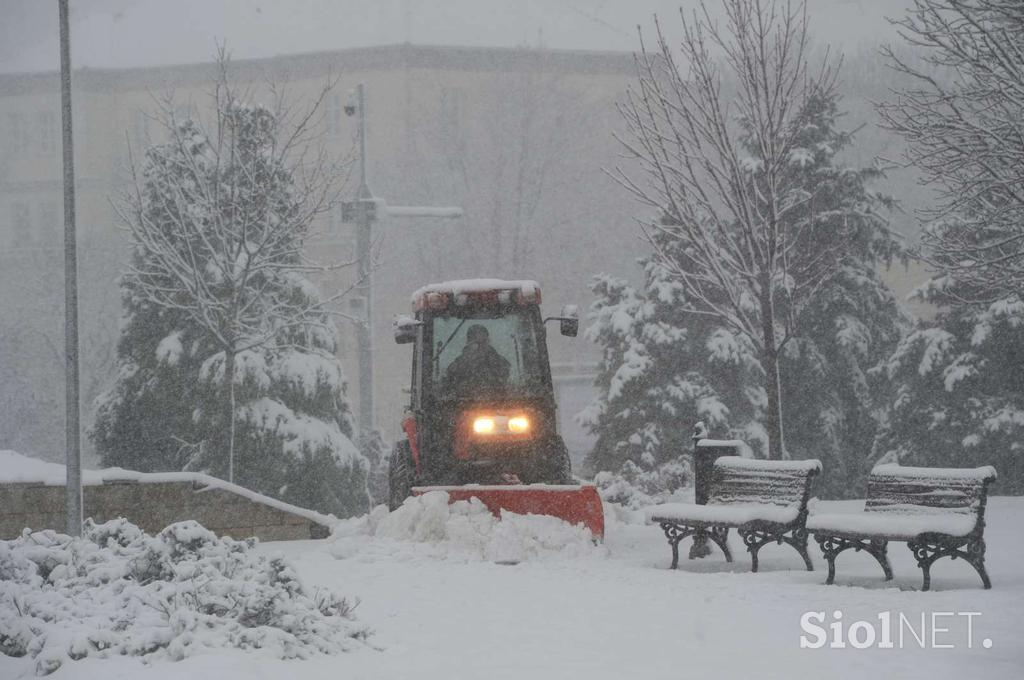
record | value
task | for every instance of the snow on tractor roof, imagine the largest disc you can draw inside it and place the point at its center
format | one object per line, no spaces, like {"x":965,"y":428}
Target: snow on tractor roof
{"x":526,"y":290}
{"x":476,"y":286}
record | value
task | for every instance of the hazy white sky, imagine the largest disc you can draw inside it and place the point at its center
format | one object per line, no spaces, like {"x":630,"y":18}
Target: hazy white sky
{"x":121,"y":33}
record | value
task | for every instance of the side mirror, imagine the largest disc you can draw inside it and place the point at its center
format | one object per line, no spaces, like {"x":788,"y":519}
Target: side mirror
{"x":569,"y":324}
{"x":404,"y":328}
{"x":568,"y":321}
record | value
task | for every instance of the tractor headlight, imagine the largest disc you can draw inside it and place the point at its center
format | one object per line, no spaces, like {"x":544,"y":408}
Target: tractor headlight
{"x":500,"y":425}
{"x":483,"y":425}
{"x":518,"y":424}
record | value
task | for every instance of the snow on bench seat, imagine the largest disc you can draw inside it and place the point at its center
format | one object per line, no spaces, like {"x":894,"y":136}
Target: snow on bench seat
{"x":890,"y":525}
{"x":735,"y":514}
{"x":985,"y":472}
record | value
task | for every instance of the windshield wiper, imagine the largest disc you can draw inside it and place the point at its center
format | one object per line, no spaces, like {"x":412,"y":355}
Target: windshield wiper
{"x":448,"y":341}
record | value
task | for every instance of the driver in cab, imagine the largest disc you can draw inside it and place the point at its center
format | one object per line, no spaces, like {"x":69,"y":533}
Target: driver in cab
{"x":480,"y":368}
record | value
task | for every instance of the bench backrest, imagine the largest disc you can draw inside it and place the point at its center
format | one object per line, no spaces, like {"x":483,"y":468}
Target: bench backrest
{"x":902,"y":490}
{"x":777,"y":482}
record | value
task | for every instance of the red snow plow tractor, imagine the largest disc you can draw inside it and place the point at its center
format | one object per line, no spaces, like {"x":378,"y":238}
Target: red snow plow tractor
{"x":481,"y":419}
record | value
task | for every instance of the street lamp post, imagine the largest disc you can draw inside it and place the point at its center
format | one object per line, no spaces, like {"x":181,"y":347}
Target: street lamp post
{"x":364,"y":211}
{"x":73,"y":463}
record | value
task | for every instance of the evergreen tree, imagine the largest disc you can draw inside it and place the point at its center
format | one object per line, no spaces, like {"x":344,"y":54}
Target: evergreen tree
{"x":666,"y":367}
{"x":957,"y":384}
{"x":663,"y":370}
{"x":145,"y":420}
{"x":227,"y":356}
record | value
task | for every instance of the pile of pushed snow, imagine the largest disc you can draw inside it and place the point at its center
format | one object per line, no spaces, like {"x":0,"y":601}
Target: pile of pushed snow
{"x":118,"y":591}
{"x":428,"y":525}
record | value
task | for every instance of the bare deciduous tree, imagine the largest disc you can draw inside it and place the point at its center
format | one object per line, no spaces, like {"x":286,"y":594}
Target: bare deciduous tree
{"x":734,"y":223}
{"x":964,"y":122}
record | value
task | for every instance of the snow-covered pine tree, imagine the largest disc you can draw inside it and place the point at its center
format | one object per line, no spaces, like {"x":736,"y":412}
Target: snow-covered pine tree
{"x":956,"y":382}
{"x":662,"y":370}
{"x":293,"y":423}
{"x":226,"y":360}
{"x":145,"y":420}
{"x":665,"y":368}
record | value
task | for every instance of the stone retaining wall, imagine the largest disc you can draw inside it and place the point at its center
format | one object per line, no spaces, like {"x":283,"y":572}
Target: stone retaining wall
{"x":152,"y":506}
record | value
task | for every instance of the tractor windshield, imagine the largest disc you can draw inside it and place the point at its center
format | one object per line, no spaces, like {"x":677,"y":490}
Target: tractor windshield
{"x":485,"y":354}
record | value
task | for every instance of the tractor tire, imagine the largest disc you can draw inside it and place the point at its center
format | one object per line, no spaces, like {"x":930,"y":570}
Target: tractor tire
{"x":400,"y":473}
{"x":558,"y":467}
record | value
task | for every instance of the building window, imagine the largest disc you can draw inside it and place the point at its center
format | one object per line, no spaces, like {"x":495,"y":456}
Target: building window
{"x":46,"y":132}
{"x":21,"y":223}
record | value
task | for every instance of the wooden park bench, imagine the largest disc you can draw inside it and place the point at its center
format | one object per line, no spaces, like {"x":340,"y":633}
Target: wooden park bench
{"x":938,"y":512}
{"x":764,"y":500}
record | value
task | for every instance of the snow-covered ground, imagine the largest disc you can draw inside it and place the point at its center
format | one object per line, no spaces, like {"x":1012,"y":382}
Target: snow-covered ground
{"x":436,"y":589}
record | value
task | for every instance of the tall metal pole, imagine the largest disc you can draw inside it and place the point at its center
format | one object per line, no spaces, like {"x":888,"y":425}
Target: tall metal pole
{"x":364,"y":210}
{"x":73,"y":501}
{"x":364,"y":241}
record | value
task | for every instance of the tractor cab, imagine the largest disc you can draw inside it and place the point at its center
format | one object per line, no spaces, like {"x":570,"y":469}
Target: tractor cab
{"x":482,"y":407}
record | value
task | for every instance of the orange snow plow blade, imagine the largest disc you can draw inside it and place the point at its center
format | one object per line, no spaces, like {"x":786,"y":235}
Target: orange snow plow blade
{"x":571,"y":503}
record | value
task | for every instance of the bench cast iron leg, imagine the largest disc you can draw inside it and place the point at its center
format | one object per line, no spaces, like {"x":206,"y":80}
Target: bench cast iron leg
{"x":720,"y":535}
{"x":754,"y":540}
{"x":675,"y":533}
{"x":831,"y":546}
{"x":928,"y":551}
{"x":880,"y":551}
{"x":976,"y":558}
{"x":925,"y":554}
{"x":799,"y":541}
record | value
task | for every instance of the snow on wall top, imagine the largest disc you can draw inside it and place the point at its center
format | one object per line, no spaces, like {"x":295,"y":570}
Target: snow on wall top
{"x":979,"y":473}
{"x":502,"y":487}
{"x":16,"y":468}
{"x":475,"y":286}
{"x":740,"y":513}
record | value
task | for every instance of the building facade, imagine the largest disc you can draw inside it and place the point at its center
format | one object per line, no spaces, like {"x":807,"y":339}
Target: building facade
{"x":517,"y":137}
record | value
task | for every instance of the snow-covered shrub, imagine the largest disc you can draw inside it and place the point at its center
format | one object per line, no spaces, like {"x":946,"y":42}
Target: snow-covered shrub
{"x":633,"y":487}
{"x":119,"y":591}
